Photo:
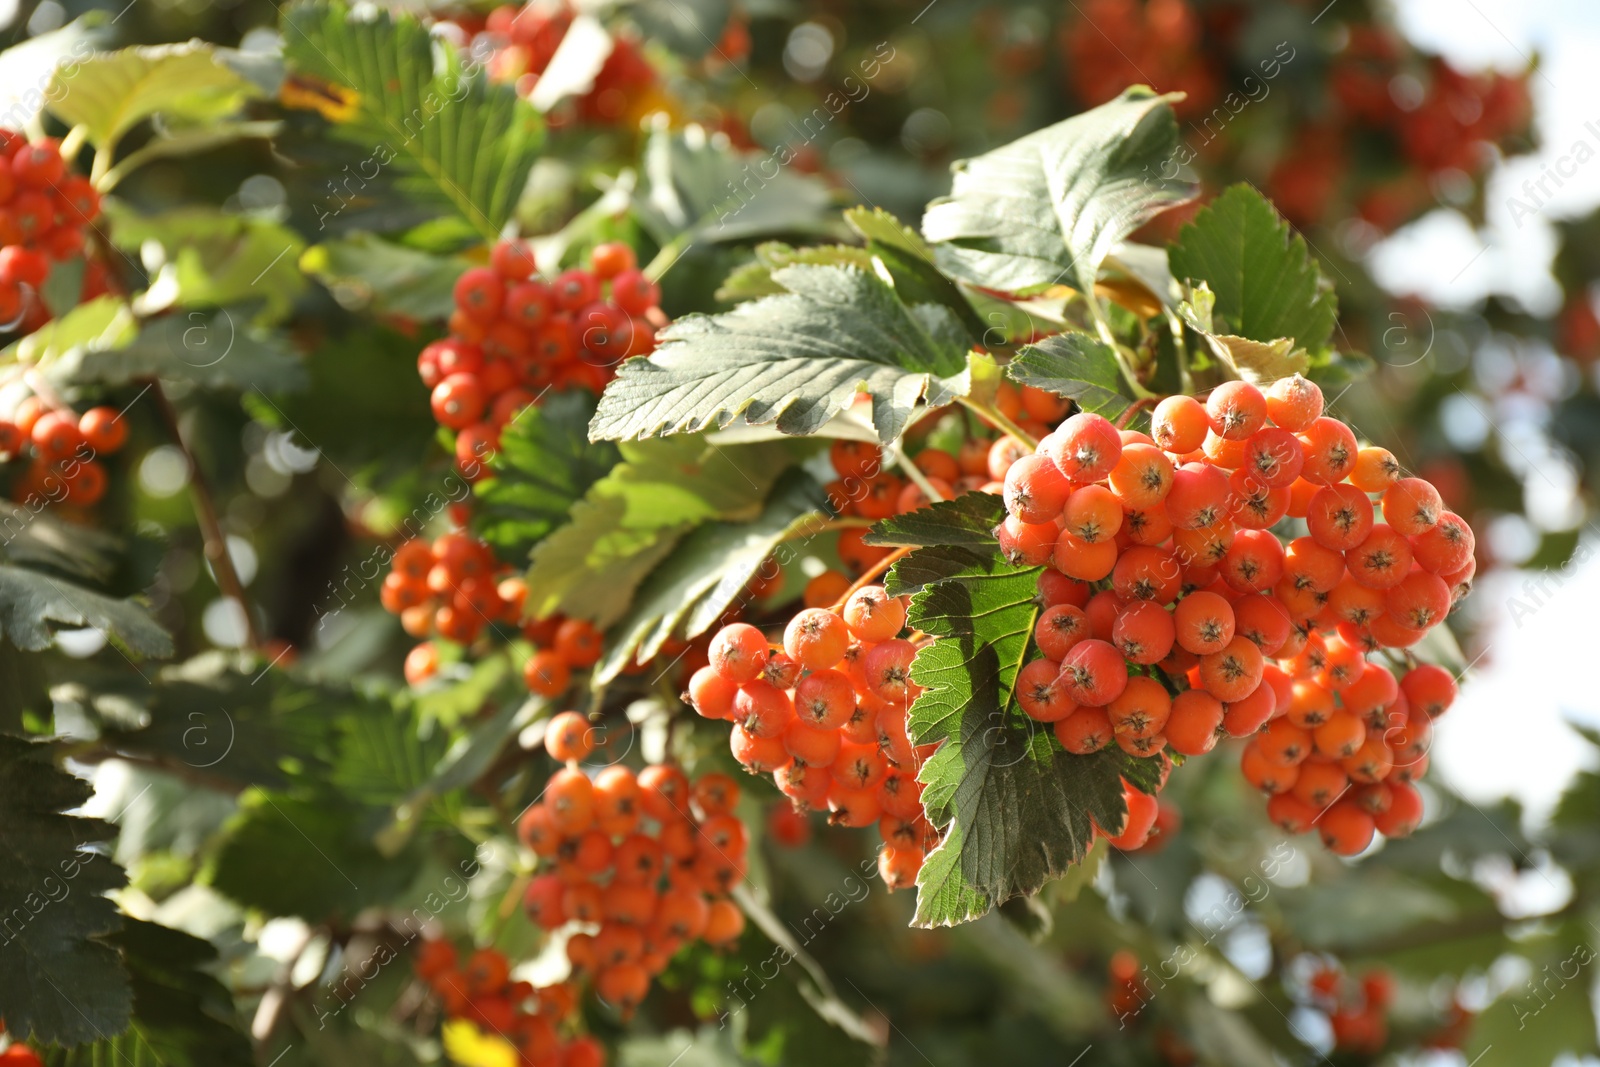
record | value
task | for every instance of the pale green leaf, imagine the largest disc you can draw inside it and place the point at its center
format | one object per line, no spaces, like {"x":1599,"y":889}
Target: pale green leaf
{"x":108,"y":93}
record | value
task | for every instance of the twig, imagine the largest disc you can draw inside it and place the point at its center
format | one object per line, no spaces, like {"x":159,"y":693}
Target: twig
{"x":205,"y":510}
{"x":998,"y":420}
{"x":1133,"y":409}
{"x":872,"y":572}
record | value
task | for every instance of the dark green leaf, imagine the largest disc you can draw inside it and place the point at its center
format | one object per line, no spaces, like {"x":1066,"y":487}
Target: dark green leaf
{"x":690,"y":28}
{"x":797,"y":359}
{"x":630,"y":520}
{"x":1267,"y":285}
{"x":59,"y":979}
{"x":30,"y":601}
{"x":1017,"y":808}
{"x":218,"y":351}
{"x":545,"y":465}
{"x":182,"y":1017}
{"x":706,"y":572}
{"x":1048,"y":208}
{"x":367,"y":273}
{"x":910,"y":263}
{"x":969,"y":519}
{"x":463,"y":145}
{"x":1078,"y":366}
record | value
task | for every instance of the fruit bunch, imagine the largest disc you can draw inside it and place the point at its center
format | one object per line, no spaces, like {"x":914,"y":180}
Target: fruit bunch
{"x":1115,"y":43}
{"x":825,"y":715}
{"x":44,"y":210}
{"x":514,"y":335}
{"x":19,"y":1055}
{"x":63,"y":450}
{"x":1175,"y":616}
{"x":1356,"y":1008}
{"x":641,"y":864}
{"x":452,"y":587}
{"x":481,"y":991}
{"x":524,"y":41}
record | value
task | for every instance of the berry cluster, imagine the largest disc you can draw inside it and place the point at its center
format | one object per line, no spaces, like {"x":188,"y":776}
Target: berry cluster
{"x":514,"y":335}
{"x":452,"y":587}
{"x":524,"y":41}
{"x":1174,"y":616}
{"x":62,"y":447}
{"x":481,"y":991}
{"x":43,"y":213}
{"x":642,"y":863}
{"x":825,"y":715}
{"x":1356,"y":1008}
{"x":1114,"y":42}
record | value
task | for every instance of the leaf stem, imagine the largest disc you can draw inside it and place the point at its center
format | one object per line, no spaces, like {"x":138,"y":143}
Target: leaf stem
{"x":670,"y":253}
{"x":205,"y":510}
{"x":872,"y":572}
{"x":998,"y":420}
{"x":914,"y":473}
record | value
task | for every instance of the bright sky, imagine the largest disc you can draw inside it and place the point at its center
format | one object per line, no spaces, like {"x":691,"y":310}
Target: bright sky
{"x":1506,"y":736}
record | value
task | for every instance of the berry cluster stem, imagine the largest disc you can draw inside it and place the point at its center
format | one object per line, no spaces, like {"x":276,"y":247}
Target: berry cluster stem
{"x":994,"y":417}
{"x":872,"y":574}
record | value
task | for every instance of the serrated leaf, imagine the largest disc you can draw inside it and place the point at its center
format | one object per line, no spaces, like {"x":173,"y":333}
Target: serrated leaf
{"x":1050,"y":206}
{"x":1074,"y":365}
{"x":366,"y":273}
{"x":969,"y":519}
{"x":794,"y":360}
{"x":705,"y":573}
{"x":182,"y":1017}
{"x":216,"y":351}
{"x":59,"y":979}
{"x":544,"y":465}
{"x":754,"y":279}
{"x":1266,"y":283}
{"x":109,"y":93}
{"x":203,"y":257}
{"x":909,"y":262}
{"x":630,"y":520}
{"x":1016,"y":808}
{"x":461,"y":144}
{"x":697,"y":188}
{"x":1257,"y":362}
{"x":30,"y":601}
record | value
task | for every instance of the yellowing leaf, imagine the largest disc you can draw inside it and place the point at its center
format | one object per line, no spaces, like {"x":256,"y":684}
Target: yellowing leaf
{"x":334,"y":102}
{"x":111,"y":92}
{"x":467,"y":1045}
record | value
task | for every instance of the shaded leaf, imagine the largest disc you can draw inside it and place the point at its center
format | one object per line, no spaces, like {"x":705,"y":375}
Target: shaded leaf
{"x":909,"y":262}
{"x":707,"y":571}
{"x":1257,"y":362}
{"x":1074,"y":365}
{"x":795,"y":359}
{"x":630,"y":520}
{"x":1018,"y":809}
{"x":30,"y":601}
{"x":366,"y":273}
{"x":60,"y":980}
{"x":969,"y":519}
{"x":218,"y":351}
{"x":461,"y":144}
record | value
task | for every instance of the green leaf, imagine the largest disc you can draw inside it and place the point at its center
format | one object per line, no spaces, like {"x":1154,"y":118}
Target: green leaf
{"x":217,"y":351}
{"x":104,"y":323}
{"x":707,"y":571}
{"x":109,"y":93}
{"x":754,"y":279}
{"x":909,"y":263}
{"x":326,"y":843}
{"x":632,"y":518}
{"x":461,"y":144}
{"x":1015,"y":805}
{"x":1258,"y":362}
{"x":1052,"y":205}
{"x":697,"y":188}
{"x":26,"y":694}
{"x":969,"y":519}
{"x":1074,"y":365}
{"x":203,"y":257}
{"x":796,"y":359}
{"x":1536,"y":1021}
{"x":1266,"y":283}
{"x":182,"y":1017}
{"x":30,"y":601}
{"x":545,"y":465}
{"x":60,"y":981}
{"x":690,"y":28}
{"x":367,"y":273}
